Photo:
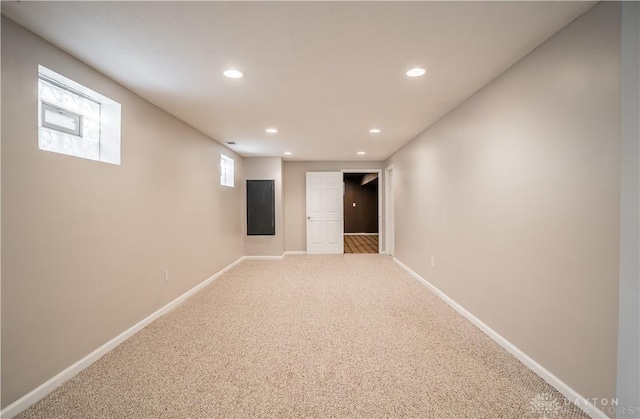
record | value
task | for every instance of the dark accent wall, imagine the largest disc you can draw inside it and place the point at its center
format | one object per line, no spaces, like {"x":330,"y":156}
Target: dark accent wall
{"x":363,"y":218}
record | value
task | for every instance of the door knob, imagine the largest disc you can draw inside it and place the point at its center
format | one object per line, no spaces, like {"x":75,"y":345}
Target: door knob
{"x":308,"y":217}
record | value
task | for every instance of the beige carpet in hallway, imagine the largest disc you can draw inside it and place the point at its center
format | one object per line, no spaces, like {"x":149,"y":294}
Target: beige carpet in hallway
{"x":344,"y":336}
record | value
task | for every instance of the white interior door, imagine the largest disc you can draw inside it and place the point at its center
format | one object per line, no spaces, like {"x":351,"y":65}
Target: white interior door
{"x":325,"y":226}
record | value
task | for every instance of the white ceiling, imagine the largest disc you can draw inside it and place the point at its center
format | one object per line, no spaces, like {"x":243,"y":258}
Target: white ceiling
{"x":322,"y":73}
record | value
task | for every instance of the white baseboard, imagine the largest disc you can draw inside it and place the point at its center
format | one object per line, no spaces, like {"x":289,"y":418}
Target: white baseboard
{"x":294,"y":252}
{"x":47,"y":387}
{"x":572,"y":395}
{"x":360,"y":234}
{"x":263,"y":257}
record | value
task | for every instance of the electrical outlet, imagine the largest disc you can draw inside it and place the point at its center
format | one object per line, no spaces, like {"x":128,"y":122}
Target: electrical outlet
{"x":166,"y":276}
{"x":433,"y":261}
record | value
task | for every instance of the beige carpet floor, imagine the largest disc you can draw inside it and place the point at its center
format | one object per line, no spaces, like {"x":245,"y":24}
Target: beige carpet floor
{"x":345,"y":336}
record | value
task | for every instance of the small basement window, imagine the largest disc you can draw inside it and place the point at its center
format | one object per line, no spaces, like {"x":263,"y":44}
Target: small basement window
{"x":75,"y":120}
{"x":226,"y":171}
{"x":60,"y":119}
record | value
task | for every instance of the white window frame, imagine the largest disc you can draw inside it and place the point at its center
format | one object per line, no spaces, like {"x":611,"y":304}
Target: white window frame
{"x":65,"y":113}
{"x":227,"y":171}
{"x":110,"y":116}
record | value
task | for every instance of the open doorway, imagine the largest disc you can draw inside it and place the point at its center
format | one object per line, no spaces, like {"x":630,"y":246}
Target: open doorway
{"x":361,"y":213}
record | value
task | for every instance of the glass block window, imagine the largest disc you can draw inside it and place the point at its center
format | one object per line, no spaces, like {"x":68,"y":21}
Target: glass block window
{"x":226,"y":171}
{"x":77,"y":121}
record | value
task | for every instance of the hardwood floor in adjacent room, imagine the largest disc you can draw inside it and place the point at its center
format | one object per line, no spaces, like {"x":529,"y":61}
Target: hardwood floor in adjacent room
{"x":360,"y":243}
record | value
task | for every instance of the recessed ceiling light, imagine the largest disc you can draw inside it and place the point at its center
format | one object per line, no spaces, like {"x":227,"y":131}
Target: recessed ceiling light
{"x":233,"y":74}
{"x":361,"y":152}
{"x":271,"y":130}
{"x":416,"y":72}
{"x":374,"y":130}
{"x":287,"y":153}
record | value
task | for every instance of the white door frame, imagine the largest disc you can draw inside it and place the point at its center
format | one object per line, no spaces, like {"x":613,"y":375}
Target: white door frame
{"x":389,"y":231}
{"x":379,"y":172}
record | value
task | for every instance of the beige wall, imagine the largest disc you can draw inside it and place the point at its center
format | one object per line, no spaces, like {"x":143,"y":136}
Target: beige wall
{"x":84,"y":243}
{"x":628,"y":382}
{"x":266,"y":168}
{"x":295,"y":195}
{"x":516,"y":195}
